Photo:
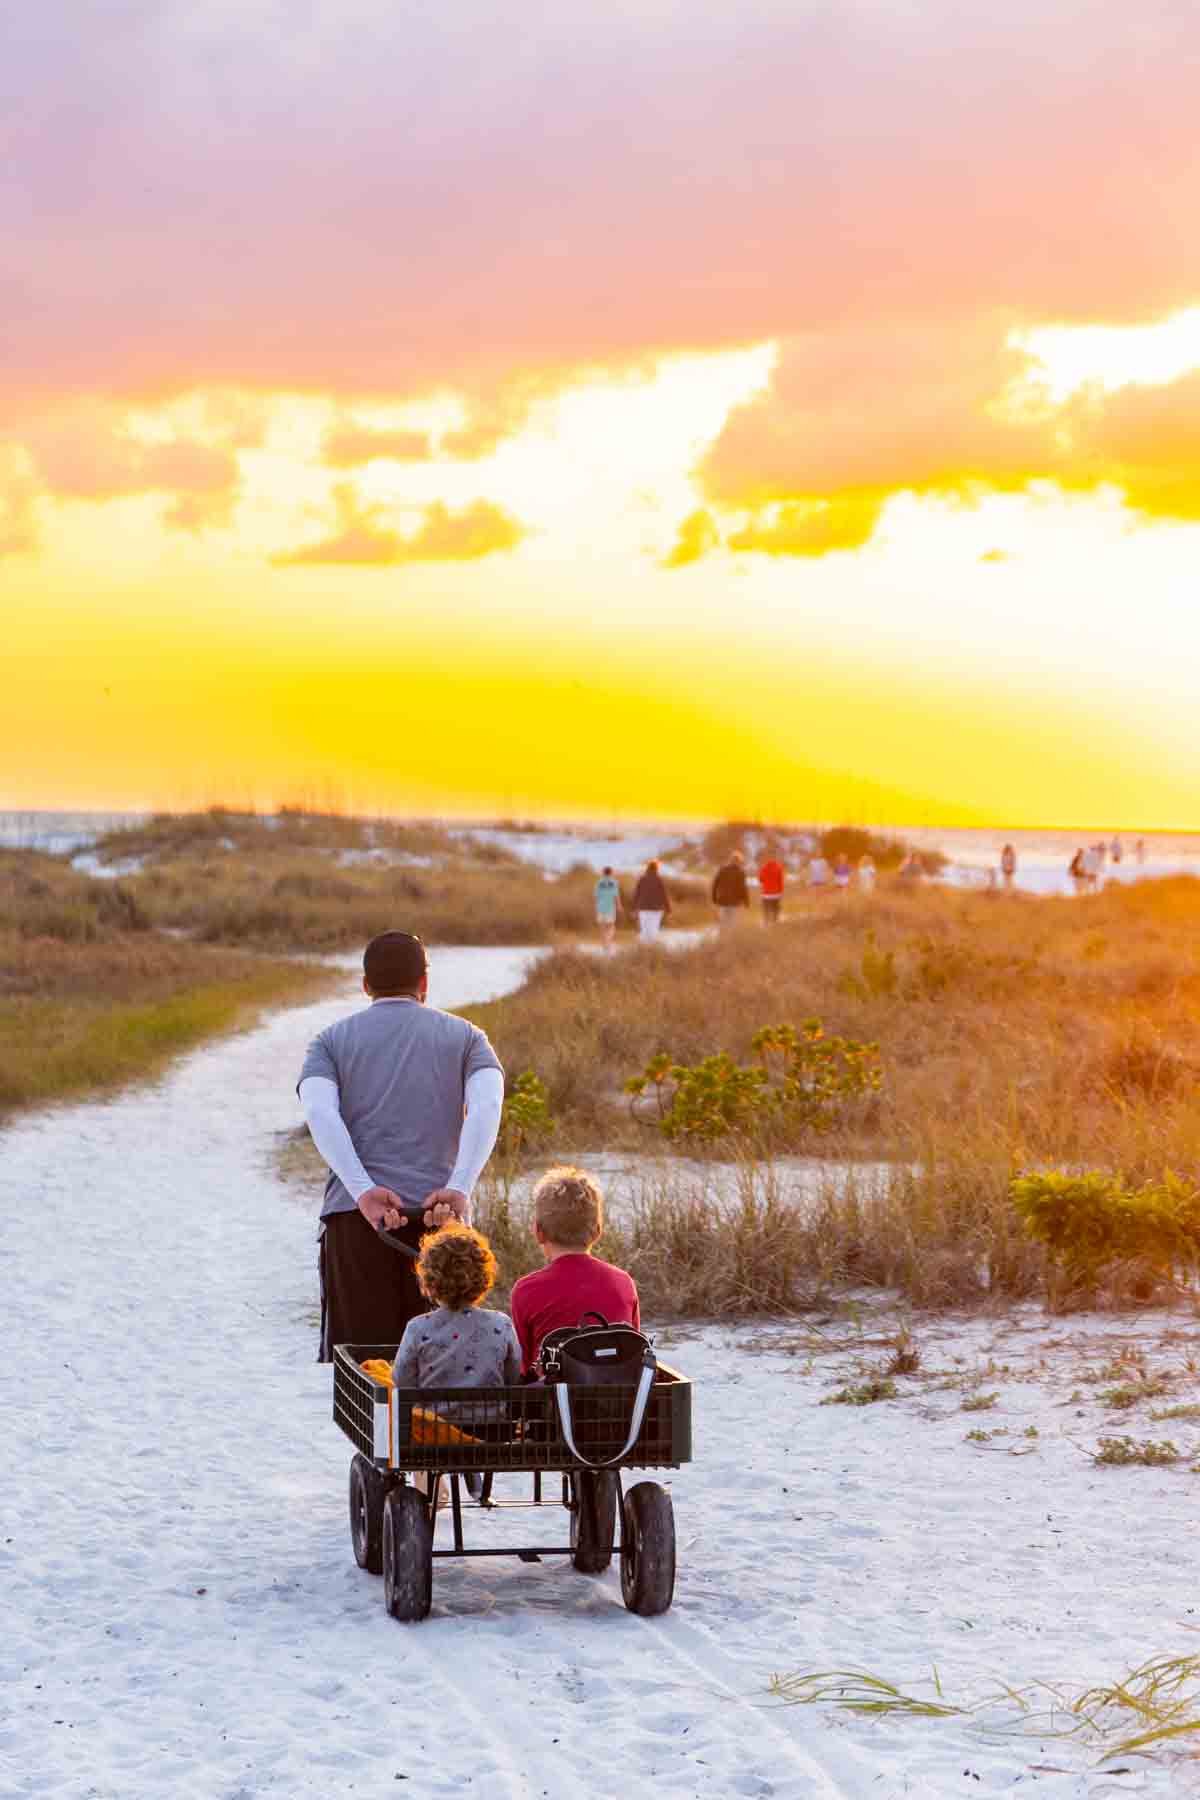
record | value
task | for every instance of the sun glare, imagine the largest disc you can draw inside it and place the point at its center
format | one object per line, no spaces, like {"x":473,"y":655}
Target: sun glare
{"x":1112,"y":356}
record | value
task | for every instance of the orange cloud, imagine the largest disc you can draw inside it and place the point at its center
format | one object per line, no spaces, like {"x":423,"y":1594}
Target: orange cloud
{"x":852,"y":418}
{"x":478,"y":530}
{"x":347,"y":446}
{"x":18,"y":496}
{"x":698,"y":535}
{"x":1146,"y":441}
{"x":885,"y":410}
{"x":811,"y":527}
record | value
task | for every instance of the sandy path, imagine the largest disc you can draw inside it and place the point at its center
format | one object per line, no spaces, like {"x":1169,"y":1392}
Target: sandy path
{"x":183,"y":1616}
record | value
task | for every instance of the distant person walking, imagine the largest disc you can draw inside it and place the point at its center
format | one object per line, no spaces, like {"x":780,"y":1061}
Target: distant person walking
{"x":1116,"y":850}
{"x":1008,"y":865}
{"x":651,"y":903}
{"x":818,"y":873}
{"x":1078,"y":872}
{"x":730,"y":895}
{"x":608,"y":908}
{"x":841,"y":873}
{"x":770,"y":887}
{"x":866,"y":874}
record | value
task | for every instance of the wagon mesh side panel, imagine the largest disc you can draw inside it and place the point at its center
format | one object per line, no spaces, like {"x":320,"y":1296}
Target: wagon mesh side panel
{"x":515,"y":1427}
{"x":355,"y":1396}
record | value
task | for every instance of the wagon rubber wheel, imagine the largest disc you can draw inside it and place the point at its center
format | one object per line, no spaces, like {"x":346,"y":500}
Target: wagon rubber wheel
{"x":593,"y":1520}
{"x":368,"y":1491}
{"x":407,"y":1554}
{"x":648,"y":1549}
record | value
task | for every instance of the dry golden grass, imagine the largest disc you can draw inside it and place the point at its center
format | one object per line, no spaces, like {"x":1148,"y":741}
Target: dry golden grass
{"x":235,"y":878}
{"x":1017,"y":1033}
{"x":1040,"y":1027}
{"x":90,"y":997}
{"x":79,"y":1019}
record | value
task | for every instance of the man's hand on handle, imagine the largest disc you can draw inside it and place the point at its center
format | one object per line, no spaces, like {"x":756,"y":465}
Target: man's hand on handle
{"x":380,"y":1207}
{"x":443,"y":1205}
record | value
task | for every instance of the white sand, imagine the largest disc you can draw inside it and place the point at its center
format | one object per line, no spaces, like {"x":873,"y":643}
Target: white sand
{"x":183,"y":1616}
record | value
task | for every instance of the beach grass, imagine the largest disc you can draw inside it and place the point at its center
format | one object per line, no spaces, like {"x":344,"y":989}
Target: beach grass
{"x":301,"y":881}
{"x":1018,"y":1034}
{"x":94,"y":1024}
{"x":92,"y":997}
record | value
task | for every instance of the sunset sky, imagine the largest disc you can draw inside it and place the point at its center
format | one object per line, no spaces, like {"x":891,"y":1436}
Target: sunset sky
{"x":634,"y":408}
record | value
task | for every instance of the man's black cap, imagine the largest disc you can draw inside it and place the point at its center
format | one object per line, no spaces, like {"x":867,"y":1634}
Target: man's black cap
{"x":394,"y":962}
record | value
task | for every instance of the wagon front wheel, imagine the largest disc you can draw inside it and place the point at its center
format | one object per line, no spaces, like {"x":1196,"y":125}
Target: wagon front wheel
{"x":648,"y":1549}
{"x":593,"y":1520}
{"x":407,"y":1555}
{"x":368,"y":1491}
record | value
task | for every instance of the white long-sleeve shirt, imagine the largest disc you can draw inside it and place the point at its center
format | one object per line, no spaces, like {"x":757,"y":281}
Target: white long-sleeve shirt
{"x":484,"y":1095}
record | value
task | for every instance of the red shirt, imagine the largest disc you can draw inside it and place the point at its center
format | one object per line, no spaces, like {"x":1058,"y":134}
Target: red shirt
{"x":770,"y":879}
{"x":562,"y":1292}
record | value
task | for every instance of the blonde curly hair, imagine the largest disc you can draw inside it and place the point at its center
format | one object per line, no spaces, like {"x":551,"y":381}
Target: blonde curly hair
{"x":456,"y":1268}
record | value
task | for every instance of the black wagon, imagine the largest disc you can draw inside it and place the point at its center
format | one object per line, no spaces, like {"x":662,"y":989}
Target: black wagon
{"x":422,"y":1454}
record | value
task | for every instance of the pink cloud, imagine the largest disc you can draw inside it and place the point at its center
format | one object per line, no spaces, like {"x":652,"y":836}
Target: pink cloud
{"x":385,"y":201}
{"x":87,"y":454}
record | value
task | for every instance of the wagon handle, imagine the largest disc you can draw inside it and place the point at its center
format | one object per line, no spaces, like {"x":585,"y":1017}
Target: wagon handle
{"x":394,"y":1241}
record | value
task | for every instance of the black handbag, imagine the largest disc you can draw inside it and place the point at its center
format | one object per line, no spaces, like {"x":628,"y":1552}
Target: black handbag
{"x":598,"y":1356}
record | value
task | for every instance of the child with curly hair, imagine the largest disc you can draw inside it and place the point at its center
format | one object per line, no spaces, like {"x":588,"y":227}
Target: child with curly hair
{"x":459,"y":1343}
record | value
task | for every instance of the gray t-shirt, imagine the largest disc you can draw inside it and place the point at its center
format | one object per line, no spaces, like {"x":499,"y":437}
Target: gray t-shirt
{"x":401,"y":1070}
{"x":473,"y":1347}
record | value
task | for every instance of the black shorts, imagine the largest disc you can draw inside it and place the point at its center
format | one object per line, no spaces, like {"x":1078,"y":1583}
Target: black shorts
{"x":369,"y":1291}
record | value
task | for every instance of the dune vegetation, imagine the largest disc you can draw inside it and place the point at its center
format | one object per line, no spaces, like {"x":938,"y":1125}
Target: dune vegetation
{"x":91,"y":996}
{"x":1014,"y":1035}
{"x":302,"y":881}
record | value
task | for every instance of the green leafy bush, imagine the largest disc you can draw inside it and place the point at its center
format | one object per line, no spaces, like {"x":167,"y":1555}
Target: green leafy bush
{"x":802,"y":1083}
{"x":525,"y":1120}
{"x":1091,"y":1223}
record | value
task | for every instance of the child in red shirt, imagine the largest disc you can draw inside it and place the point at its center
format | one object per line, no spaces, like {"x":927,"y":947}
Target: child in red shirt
{"x":568,"y":1217}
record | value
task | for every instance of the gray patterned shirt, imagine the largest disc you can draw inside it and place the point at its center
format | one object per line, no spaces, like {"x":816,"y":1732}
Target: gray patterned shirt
{"x":473,"y":1347}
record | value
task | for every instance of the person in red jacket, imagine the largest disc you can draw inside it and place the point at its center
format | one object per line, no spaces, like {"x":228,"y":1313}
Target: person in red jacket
{"x":568,"y":1217}
{"x":770,"y":887}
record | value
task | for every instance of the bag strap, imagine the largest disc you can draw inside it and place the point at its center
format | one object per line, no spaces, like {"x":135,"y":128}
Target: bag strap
{"x":584,"y":1317}
{"x":562,"y":1396}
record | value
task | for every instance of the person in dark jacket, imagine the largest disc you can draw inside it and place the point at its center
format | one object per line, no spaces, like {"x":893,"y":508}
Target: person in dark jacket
{"x":651,"y":903}
{"x":730,"y":894}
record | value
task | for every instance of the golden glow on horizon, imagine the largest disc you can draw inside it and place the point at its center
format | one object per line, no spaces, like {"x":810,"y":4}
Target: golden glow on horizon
{"x":969,"y":664}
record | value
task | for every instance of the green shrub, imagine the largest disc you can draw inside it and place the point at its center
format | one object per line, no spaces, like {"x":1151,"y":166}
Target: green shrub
{"x":863,"y":1393}
{"x":1091,"y":1223}
{"x":802,"y":1083}
{"x":525,"y":1120}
